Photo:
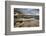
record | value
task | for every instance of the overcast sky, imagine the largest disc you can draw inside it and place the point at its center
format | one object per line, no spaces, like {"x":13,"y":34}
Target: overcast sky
{"x":28,"y":11}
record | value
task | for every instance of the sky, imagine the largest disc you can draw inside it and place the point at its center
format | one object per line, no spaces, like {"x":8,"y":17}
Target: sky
{"x":28,"y":11}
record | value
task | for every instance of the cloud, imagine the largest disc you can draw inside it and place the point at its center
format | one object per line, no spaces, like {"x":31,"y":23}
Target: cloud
{"x":28,"y":11}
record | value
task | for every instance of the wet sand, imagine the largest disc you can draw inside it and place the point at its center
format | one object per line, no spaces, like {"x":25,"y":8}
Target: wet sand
{"x":27,"y":23}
